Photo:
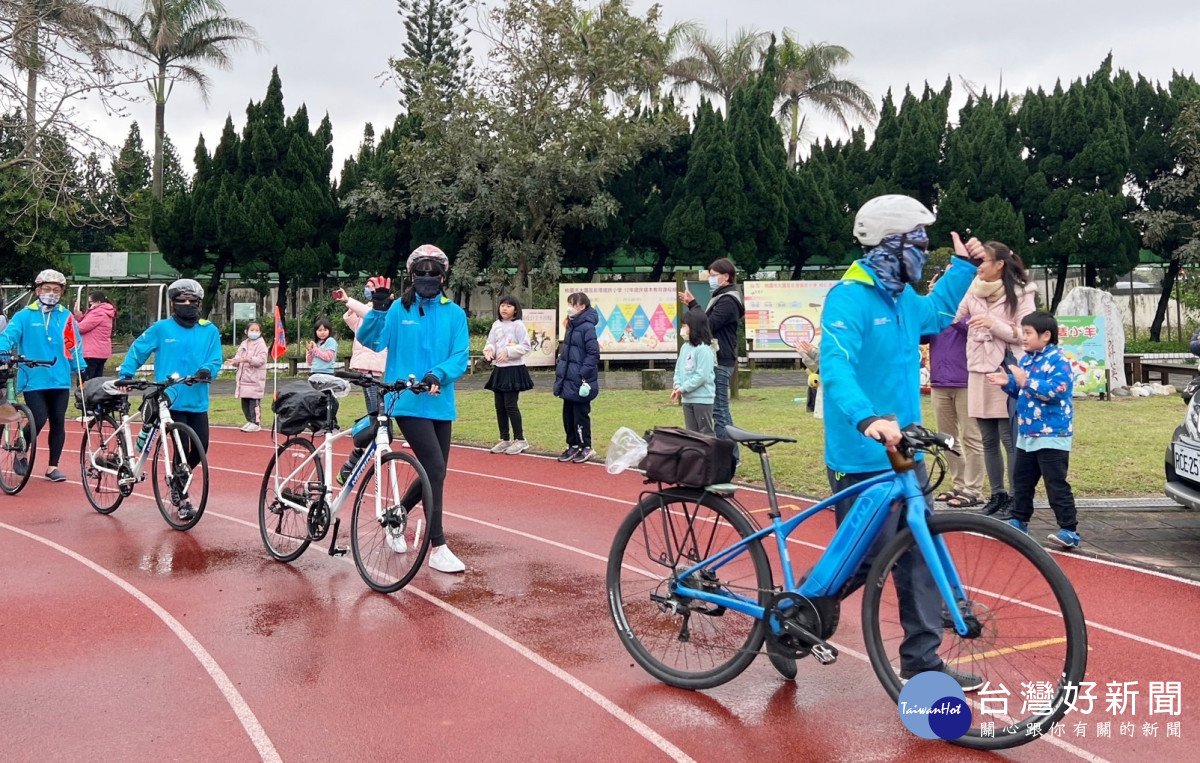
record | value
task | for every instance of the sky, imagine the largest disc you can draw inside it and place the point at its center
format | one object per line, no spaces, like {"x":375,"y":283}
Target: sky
{"x":332,"y":56}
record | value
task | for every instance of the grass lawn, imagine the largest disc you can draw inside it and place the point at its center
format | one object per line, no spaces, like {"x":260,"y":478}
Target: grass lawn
{"x":1118,"y":450}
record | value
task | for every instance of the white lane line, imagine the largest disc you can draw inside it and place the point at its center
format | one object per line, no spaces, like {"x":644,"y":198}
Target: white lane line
{"x":254,"y":730}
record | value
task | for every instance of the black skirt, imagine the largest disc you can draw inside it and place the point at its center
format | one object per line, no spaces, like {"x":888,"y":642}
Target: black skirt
{"x":509,"y":379}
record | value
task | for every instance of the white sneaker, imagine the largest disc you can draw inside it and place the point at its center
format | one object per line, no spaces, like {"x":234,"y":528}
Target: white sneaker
{"x":395,"y":540}
{"x":501,"y":446}
{"x":250,"y":426}
{"x":518,"y":446}
{"x":442,"y":559}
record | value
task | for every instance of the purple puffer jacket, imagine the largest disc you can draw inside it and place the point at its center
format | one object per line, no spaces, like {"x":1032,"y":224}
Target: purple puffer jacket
{"x":948,"y":356}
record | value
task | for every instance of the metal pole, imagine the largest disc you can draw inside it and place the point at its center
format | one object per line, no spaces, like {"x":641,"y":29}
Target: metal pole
{"x":1132,"y":306}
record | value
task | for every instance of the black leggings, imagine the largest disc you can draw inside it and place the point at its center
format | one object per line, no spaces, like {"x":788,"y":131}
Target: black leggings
{"x":95,"y":368}
{"x":251,"y":409}
{"x":49,"y":404}
{"x":507,"y":411}
{"x":199,"y":424}
{"x":430,"y":443}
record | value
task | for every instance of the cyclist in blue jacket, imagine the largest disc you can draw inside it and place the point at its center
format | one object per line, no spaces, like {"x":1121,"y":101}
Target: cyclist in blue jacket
{"x":184,"y":344}
{"x":425,"y":335}
{"x":45,"y":330}
{"x":871,"y":329}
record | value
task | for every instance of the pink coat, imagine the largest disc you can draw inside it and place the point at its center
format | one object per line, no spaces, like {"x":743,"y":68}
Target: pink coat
{"x":362,"y":359}
{"x":251,"y":375}
{"x":95,"y":326}
{"x":985,"y":348}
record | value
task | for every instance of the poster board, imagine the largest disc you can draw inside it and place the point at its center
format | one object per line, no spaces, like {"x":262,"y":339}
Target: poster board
{"x":634,"y":317}
{"x":541,"y":326}
{"x":781,"y":314}
{"x":108,"y":265}
{"x":1083,"y":341}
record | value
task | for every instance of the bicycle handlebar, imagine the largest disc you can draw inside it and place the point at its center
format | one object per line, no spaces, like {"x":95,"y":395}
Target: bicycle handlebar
{"x":21,"y":360}
{"x":364,"y":380}
{"x":143,"y":384}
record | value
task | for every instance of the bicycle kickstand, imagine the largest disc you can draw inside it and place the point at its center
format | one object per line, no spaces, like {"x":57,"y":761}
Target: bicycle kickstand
{"x":334,"y":550}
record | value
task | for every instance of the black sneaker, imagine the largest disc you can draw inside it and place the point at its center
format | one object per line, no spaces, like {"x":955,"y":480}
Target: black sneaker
{"x":21,"y":465}
{"x":968,"y":681}
{"x":993,"y":504}
{"x":54,"y":475}
{"x":566,"y":455}
{"x":582,"y":455}
{"x":186,"y":512}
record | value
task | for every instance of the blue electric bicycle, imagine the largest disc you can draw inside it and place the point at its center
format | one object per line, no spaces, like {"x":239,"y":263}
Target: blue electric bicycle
{"x":692,"y":595}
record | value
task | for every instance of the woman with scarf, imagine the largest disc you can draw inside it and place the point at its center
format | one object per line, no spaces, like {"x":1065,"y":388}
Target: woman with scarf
{"x":45,"y":330}
{"x":999,"y":297}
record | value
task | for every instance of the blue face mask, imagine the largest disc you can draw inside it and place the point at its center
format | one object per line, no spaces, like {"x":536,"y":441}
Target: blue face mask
{"x":714,"y":283}
{"x":253,"y":335}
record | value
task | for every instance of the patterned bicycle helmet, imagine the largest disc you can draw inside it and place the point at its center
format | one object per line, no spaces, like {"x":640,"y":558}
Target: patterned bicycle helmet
{"x":50,"y":276}
{"x":427,"y":252}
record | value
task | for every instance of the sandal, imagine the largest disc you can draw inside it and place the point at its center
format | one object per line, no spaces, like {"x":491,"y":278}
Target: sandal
{"x":963,"y":500}
{"x":946,"y":496}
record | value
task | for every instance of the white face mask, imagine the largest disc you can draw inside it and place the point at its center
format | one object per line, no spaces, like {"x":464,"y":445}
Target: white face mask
{"x":253,"y":335}
{"x":685,"y":333}
{"x":572,"y":311}
{"x":714,"y":282}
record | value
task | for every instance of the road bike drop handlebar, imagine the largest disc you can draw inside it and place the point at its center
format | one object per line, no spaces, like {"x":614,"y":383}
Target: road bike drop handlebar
{"x":143,"y":384}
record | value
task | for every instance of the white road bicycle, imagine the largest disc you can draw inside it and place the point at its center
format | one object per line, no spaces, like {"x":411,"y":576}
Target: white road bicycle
{"x":109,"y":458}
{"x":299,"y":502}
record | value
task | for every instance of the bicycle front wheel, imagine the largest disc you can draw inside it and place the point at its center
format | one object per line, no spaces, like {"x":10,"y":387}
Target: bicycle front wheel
{"x":18,"y":450}
{"x":180,"y":475}
{"x":283,"y":526}
{"x":680,"y":641}
{"x":389,"y":534}
{"x":1028,"y":636}
{"x":102,"y":457}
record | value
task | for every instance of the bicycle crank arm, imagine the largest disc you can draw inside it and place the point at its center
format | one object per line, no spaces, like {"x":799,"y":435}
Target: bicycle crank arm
{"x":333,"y":546}
{"x":825,"y":652}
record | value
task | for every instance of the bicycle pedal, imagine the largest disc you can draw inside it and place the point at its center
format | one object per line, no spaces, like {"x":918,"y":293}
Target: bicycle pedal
{"x":825,"y":654}
{"x":338,"y":551}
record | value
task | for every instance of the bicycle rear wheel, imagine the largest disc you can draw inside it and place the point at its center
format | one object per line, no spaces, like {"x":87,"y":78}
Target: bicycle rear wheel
{"x":681,"y":641}
{"x":18,"y":452}
{"x":390,"y":536}
{"x":1030,"y":635}
{"x":284,"y":528}
{"x":102,"y":455}
{"x":180,"y":475}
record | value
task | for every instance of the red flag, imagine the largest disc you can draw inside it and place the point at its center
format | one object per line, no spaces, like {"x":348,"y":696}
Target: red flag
{"x":280,"y":347}
{"x":69,"y":338}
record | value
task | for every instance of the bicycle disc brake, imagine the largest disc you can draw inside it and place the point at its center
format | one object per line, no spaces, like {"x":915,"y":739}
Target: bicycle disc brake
{"x":796,"y":628}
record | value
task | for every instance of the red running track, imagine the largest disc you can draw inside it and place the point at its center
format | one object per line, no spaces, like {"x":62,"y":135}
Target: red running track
{"x":123,"y":639}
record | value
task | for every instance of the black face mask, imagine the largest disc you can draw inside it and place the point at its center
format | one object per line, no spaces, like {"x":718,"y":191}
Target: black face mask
{"x":187,"y":315}
{"x":427,"y":287}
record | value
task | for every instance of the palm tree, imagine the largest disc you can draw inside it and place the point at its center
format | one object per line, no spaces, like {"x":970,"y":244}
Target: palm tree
{"x":808,"y":74}
{"x":175,"y":37}
{"x":718,"y":69}
{"x":40,"y":24}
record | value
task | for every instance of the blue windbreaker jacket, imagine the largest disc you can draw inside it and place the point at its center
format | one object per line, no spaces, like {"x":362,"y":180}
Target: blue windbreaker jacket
{"x":178,"y":350}
{"x":870,"y":357}
{"x":418,"y":344}
{"x":41,"y":336}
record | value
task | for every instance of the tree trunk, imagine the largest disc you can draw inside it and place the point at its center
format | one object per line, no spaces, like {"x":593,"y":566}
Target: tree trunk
{"x":160,"y":112}
{"x":660,"y":264}
{"x":1060,"y":281}
{"x":32,"y":66}
{"x":214,"y":285}
{"x":282,"y":298}
{"x":1164,"y":299}
{"x":1091,"y":275}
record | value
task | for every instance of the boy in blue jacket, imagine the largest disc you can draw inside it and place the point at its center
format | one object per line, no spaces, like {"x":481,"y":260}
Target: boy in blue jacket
{"x":1043,"y":384}
{"x":187,"y":345}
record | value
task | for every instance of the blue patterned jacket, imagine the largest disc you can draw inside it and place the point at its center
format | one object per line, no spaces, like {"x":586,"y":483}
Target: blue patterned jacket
{"x":1044,"y":403}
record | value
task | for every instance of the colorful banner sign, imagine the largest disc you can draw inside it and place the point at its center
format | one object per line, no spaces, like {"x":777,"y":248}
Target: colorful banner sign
{"x":781,"y":314}
{"x":1082,"y":340}
{"x":540,"y":324}
{"x":634,"y":317}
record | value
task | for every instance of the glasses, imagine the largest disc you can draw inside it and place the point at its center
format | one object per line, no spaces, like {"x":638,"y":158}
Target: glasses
{"x":50,"y":288}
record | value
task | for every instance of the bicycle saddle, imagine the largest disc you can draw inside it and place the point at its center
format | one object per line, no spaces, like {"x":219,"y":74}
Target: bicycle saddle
{"x":741,"y":435}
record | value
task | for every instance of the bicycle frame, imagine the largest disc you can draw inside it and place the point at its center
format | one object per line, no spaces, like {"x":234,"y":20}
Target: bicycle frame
{"x":137,"y":467}
{"x":854,"y":538}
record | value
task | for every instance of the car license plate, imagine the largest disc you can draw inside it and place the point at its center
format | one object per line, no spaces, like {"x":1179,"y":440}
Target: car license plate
{"x":1187,"y":461}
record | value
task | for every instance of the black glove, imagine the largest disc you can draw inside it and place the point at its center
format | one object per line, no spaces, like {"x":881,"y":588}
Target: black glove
{"x":431,"y":379}
{"x":381,"y":299}
{"x":204,"y":374}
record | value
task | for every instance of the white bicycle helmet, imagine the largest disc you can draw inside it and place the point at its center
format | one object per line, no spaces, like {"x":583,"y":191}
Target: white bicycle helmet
{"x":428,"y":252}
{"x":889,"y":215}
{"x":50,"y":276}
{"x":185,"y":286}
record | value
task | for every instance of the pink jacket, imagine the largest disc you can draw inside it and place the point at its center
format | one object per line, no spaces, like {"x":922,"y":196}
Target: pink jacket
{"x":95,"y":326}
{"x":362,"y":359}
{"x":985,"y":347}
{"x":251,"y":375}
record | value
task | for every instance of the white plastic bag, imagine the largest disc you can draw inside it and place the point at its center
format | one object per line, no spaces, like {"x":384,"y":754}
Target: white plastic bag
{"x":626,"y":449}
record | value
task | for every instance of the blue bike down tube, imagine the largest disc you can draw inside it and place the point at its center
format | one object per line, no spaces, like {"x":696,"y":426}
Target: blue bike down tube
{"x":853,"y":539}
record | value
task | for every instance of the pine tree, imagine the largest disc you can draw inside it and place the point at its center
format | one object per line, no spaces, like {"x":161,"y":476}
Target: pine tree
{"x":436,"y":57}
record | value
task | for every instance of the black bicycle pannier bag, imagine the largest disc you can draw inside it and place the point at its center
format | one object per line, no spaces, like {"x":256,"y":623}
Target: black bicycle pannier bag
{"x":683,"y":457}
{"x":300,"y":407}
